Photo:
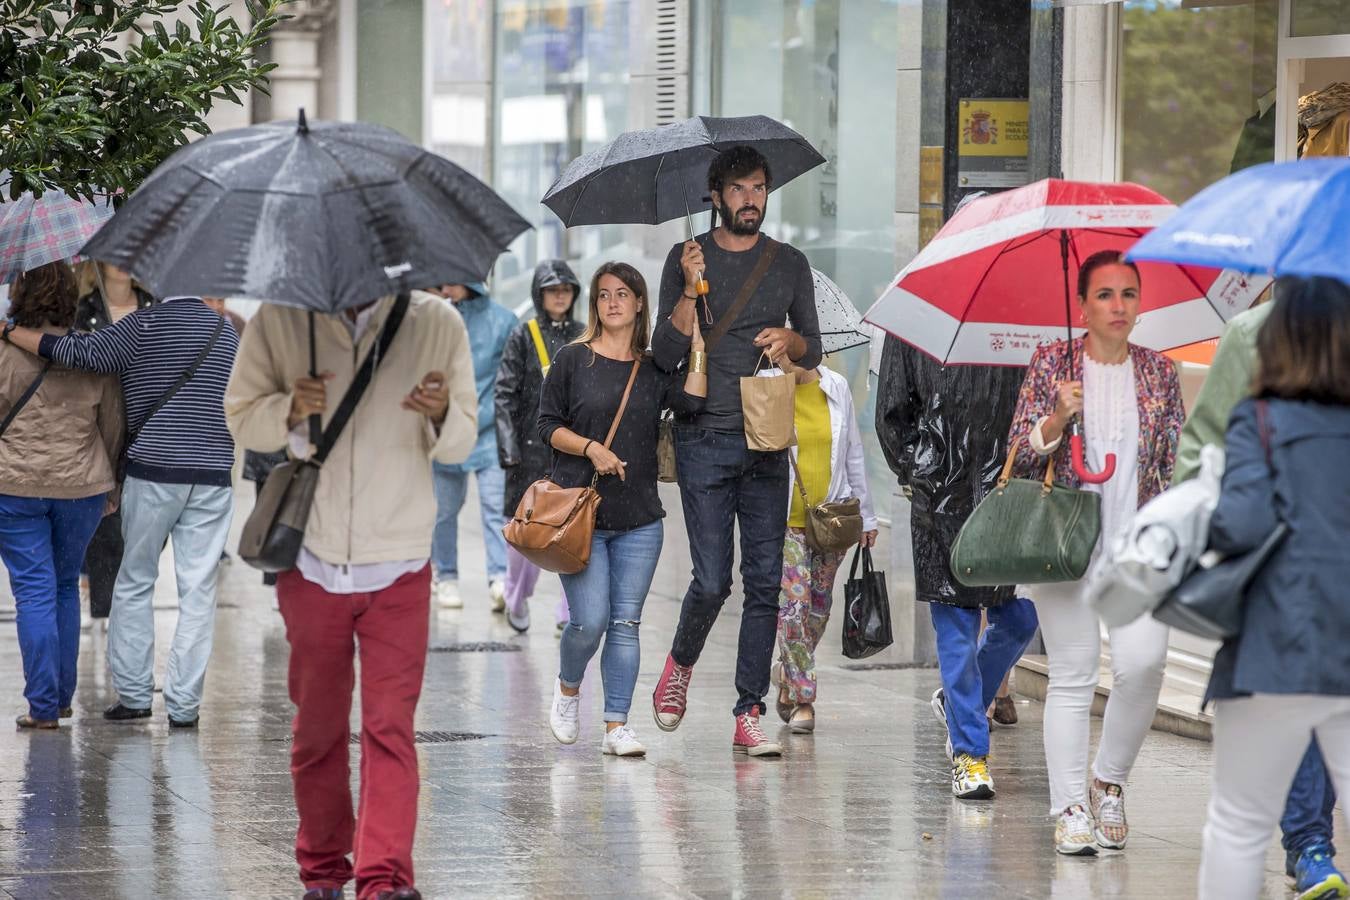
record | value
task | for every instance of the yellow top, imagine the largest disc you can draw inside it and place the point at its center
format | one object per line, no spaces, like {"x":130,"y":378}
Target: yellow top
{"x":813,"y":450}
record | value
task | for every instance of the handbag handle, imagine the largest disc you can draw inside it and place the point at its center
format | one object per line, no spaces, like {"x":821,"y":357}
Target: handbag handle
{"x":866,"y":555}
{"x":1006,"y":475}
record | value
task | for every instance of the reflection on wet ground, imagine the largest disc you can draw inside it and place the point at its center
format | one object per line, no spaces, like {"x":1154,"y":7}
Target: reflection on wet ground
{"x":862,"y":808}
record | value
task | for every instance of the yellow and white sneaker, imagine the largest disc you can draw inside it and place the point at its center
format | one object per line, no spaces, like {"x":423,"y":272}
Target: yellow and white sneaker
{"x":1073,"y":832}
{"x":1108,"y":815}
{"x":970,"y":777}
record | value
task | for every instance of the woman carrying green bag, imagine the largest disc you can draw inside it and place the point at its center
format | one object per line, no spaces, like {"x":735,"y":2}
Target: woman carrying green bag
{"x":1130,"y":401}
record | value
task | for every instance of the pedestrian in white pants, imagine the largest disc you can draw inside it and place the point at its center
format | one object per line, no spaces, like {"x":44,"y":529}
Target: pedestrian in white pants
{"x":1285,"y":676}
{"x":1129,"y":399}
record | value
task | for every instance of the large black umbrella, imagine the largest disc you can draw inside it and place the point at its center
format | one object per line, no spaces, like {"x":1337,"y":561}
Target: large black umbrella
{"x":322,"y":216}
{"x":657,"y":174}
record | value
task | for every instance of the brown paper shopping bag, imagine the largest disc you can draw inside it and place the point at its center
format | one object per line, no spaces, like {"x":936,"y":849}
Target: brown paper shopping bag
{"x":768,"y":405}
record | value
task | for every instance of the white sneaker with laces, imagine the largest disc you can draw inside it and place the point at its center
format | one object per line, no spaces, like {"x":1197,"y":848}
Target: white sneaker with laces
{"x":447,"y":594}
{"x":1073,"y":833}
{"x":497,"y":591}
{"x":563,"y":715}
{"x":622,"y":741}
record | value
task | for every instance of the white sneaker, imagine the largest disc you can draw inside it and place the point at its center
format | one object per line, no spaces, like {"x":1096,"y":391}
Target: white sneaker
{"x":622,"y":742}
{"x":497,"y":591}
{"x":971,"y":779}
{"x":939,"y":705}
{"x":1073,"y":833}
{"x":447,"y":594}
{"x":563,"y":715}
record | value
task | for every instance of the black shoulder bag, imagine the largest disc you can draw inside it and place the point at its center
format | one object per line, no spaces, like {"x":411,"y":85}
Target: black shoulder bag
{"x":275,"y":530}
{"x":133,"y":434}
{"x":25,"y":397}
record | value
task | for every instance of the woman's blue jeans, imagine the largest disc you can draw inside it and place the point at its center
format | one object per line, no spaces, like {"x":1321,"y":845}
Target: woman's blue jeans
{"x":605,"y":600}
{"x":42,"y":543}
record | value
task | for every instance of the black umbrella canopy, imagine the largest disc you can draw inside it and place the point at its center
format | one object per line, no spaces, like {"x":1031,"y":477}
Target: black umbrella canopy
{"x":657,"y":174}
{"x":322,"y":216}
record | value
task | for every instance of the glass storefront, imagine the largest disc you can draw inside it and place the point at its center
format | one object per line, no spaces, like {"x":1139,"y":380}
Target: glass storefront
{"x":827,"y":68}
{"x":459,"y":33}
{"x":1312,"y":18}
{"x":1197,"y":91}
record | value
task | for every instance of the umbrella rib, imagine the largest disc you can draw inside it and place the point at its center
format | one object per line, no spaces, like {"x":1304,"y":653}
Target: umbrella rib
{"x":971,"y":302}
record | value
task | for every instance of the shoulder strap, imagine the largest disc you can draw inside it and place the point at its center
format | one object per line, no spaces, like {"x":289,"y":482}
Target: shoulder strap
{"x":797,"y":477}
{"x":539,"y":347}
{"x":182,"y":380}
{"x":747,"y":291}
{"x":623,"y":404}
{"x":362,"y":379}
{"x":27,"y":395}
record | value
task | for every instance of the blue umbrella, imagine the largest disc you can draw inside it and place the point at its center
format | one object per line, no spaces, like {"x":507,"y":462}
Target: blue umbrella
{"x":1276,"y":219}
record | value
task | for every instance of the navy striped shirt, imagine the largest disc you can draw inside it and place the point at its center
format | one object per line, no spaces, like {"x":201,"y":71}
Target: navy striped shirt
{"x":187,"y":441}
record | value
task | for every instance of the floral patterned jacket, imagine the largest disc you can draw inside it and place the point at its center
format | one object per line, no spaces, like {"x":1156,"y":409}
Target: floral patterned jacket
{"x":1161,"y":415}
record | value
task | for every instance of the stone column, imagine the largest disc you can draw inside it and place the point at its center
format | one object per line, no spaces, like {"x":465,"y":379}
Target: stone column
{"x":294,"y":47}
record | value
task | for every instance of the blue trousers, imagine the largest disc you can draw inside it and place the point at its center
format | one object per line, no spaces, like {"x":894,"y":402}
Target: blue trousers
{"x":1307,"y":813}
{"x":605,"y":600}
{"x":451,"y":487}
{"x":972,"y":667}
{"x":722,"y":484}
{"x":42,"y":543}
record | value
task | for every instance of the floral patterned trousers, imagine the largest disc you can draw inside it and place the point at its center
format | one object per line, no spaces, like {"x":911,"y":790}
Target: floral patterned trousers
{"x":803,"y":610}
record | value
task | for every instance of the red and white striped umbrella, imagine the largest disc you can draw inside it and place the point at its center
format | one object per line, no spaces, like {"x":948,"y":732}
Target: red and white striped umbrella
{"x":990,"y":287}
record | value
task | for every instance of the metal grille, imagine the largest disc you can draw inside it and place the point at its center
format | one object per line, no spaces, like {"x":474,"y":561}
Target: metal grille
{"x":475,"y":647}
{"x":439,"y":737}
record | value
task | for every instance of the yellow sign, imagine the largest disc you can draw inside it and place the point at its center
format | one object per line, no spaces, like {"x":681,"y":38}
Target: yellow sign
{"x":930,"y":175}
{"x":994,"y":127}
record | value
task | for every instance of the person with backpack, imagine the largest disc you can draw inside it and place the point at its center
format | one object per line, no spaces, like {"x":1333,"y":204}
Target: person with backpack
{"x":60,"y":436}
{"x":1284,"y":680}
{"x":526,"y":360}
{"x":174,"y":360}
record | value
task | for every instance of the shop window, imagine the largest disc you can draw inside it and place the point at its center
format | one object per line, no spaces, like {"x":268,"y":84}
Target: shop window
{"x":1197,"y":89}
{"x":1318,"y":17}
{"x":459,"y":40}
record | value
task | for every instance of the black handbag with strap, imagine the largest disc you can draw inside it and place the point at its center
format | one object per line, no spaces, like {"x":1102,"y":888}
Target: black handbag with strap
{"x":275,"y":530}
{"x":25,"y":397}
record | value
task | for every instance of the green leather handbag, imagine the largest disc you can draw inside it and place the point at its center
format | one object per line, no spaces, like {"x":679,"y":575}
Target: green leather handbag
{"x":1027,"y":532}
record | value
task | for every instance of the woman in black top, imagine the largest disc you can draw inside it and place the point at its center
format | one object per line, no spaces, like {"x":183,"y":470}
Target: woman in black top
{"x":581,"y":396}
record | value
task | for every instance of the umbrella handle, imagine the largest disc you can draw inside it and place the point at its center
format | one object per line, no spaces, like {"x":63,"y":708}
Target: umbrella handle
{"x":1079,"y":462}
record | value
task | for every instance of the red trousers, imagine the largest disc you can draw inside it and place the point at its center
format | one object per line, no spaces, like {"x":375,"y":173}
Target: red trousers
{"x":325,"y":630}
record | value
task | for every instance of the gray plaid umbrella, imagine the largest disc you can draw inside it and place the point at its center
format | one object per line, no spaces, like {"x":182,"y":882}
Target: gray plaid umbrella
{"x":322,"y":216}
{"x":840,"y":324}
{"x":657,"y":174}
{"x":35,"y":231}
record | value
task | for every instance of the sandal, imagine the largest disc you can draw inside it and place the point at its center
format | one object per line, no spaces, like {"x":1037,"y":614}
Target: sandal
{"x":803,"y":720}
{"x":27,"y":721}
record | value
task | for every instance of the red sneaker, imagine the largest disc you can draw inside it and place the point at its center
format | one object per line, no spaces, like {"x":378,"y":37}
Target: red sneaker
{"x":750,"y":740}
{"x":670,"y":698}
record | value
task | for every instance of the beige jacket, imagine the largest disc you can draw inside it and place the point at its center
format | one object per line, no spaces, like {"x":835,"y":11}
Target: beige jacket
{"x":64,"y":442}
{"x":375,"y":501}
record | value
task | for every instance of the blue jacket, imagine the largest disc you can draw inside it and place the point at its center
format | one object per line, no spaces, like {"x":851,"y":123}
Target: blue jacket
{"x":489,"y":325}
{"x":1297,"y":616}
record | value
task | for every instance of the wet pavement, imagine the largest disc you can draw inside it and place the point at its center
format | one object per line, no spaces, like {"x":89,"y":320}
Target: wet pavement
{"x":861,"y":808}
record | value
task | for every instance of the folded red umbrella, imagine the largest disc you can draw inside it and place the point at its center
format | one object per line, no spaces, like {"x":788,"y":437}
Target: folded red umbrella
{"x":999,"y":279}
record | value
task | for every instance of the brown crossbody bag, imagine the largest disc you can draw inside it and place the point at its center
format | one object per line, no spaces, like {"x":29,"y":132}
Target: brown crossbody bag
{"x":553,"y":525}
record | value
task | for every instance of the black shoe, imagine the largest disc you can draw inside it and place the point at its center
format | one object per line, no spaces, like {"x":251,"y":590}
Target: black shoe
{"x":66,"y":712}
{"x":403,"y":893}
{"x":119,"y":713}
{"x":183,"y":723}
{"x":323,"y":894}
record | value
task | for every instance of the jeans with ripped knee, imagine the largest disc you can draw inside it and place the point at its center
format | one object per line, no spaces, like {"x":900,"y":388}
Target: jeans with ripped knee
{"x":605,"y":600}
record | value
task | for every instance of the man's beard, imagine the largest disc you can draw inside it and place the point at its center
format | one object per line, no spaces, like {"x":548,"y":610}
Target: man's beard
{"x":737,"y":225}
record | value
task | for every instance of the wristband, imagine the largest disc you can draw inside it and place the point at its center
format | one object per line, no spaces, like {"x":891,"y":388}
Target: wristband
{"x":698,"y":362}
{"x":688,"y":296}
{"x":10,"y":325}
{"x":587,"y":447}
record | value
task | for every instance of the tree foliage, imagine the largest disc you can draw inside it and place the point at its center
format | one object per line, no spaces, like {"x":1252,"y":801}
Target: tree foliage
{"x":77,"y":113}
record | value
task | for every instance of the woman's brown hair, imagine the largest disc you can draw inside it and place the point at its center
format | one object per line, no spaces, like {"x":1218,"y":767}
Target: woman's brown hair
{"x":633,"y":280}
{"x":1304,"y":346}
{"x":44,"y":296}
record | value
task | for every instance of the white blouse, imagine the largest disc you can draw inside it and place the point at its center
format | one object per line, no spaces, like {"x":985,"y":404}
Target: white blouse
{"x":1110,"y":425}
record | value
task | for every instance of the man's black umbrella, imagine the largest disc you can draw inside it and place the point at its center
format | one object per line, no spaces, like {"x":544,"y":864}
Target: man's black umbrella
{"x":657,"y":174}
{"x":322,"y":216}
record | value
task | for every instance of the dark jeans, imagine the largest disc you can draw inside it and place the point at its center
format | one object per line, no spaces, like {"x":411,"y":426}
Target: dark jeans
{"x":722,"y":483}
{"x":1307,"y":812}
{"x":101,"y":562}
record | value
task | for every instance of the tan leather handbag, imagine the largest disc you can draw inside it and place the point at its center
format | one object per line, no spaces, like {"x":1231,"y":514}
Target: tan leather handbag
{"x":553,"y":525}
{"x":831,"y":526}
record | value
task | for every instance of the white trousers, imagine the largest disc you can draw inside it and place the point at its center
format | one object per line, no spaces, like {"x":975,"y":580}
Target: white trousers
{"x":1258,"y":744}
{"x":1072,"y":634}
